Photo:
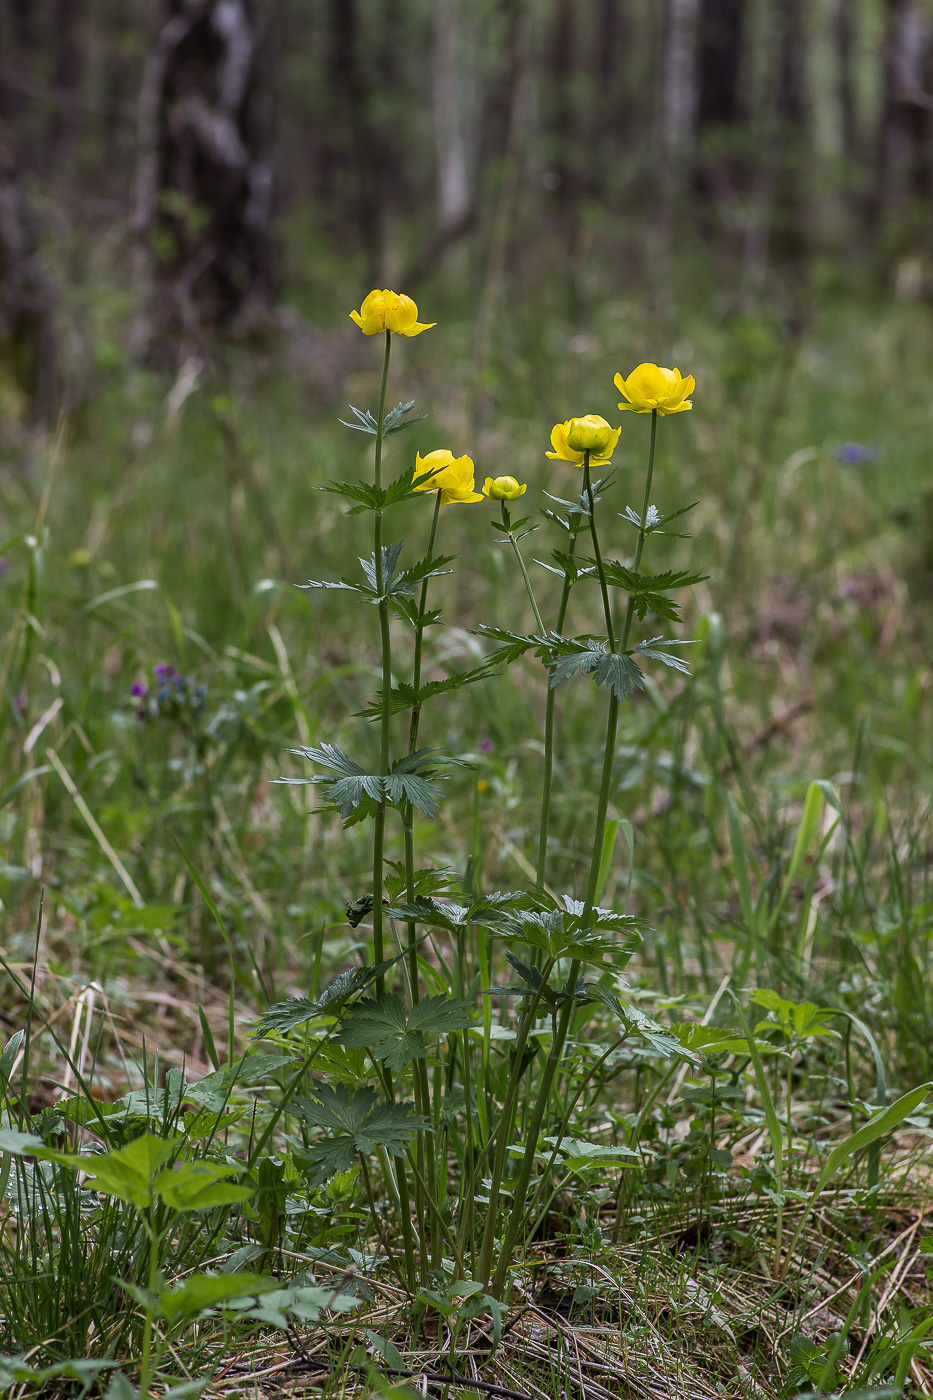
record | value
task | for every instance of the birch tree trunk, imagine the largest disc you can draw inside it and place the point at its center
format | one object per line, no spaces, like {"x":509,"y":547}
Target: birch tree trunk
{"x":453,"y":176}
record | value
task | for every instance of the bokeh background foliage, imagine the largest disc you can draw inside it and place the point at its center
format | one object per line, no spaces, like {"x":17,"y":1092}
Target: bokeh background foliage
{"x":192,"y":197}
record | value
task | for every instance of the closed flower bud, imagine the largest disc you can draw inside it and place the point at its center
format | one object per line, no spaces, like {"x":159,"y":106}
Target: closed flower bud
{"x":592,"y":434}
{"x":503,"y":488}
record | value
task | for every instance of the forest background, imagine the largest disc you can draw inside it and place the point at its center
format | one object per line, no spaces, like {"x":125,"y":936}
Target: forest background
{"x":193,"y":195}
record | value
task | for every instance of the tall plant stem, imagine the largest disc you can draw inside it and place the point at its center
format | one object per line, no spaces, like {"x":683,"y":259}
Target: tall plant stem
{"x":541,"y":868}
{"x":516,"y":1218}
{"x":425,"y":1153}
{"x":521,"y":564}
{"x":501,"y":1131}
{"x":379,"y":829}
{"x":643,"y":532}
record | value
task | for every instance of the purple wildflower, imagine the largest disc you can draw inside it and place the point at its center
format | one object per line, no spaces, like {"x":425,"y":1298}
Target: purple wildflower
{"x":856,"y":454}
{"x":486,"y":746}
{"x":139,"y":690}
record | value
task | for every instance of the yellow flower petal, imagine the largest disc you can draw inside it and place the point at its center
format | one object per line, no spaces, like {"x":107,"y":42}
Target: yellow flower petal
{"x":389,"y":311}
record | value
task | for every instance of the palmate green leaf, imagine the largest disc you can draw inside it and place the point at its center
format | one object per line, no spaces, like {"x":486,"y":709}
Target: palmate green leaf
{"x":590,"y":657}
{"x":515,"y":644}
{"x":487,"y":911}
{"x":297,"y":1011}
{"x":531,"y":983}
{"x":655,"y":522}
{"x":397,"y":419}
{"x":652,"y":1032}
{"x":360,"y":1124}
{"x":667,"y":658}
{"x":397,"y":1038}
{"x":413,"y":780}
{"x":405,"y":697}
{"x":365,"y":423}
{"x":431,"y":566}
{"x":648,"y":590}
{"x":569,"y":566}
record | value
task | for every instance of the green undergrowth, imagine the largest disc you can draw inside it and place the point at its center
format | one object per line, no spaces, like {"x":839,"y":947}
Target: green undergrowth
{"x":712,"y":1218}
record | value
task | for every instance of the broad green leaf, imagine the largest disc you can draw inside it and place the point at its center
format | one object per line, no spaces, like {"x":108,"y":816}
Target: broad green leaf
{"x":128,"y":1171}
{"x":20,"y":1144}
{"x":203,"y":1291}
{"x":877,"y":1126}
{"x":389,"y":1353}
{"x":199,"y":1185}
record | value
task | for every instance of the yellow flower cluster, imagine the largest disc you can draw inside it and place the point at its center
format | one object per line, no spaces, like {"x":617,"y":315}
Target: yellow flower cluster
{"x":648,"y":389}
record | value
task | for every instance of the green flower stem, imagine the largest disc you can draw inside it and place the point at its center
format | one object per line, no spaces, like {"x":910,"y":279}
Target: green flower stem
{"x":501,"y":1132}
{"x":516,"y":1219}
{"x":541,"y":868}
{"x":521,"y":564}
{"x":379,"y":826}
{"x":643,"y":532}
{"x":425,"y":1154}
{"x":600,"y":569}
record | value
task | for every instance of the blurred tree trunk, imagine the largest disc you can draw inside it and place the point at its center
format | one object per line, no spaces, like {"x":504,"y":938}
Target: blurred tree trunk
{"x":720,"y":167}
{"x":789,"y":238}
{"x":352,"y":102}
{"x":566,"y":174}
{"x":903,"y":172}
{"x":679,"y":104}
{"x":722,"y":32}
{"x":204,"y":189}
{"x":28,"y":379}
{"x":66,"y":76}
{"x":845,"y":59}
{"x":22,"y":14}
{"x":453,"y":182}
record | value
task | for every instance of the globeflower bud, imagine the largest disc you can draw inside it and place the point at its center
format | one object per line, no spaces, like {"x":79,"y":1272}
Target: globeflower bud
{"x":592,"y":434}
{"x":503,"y":488}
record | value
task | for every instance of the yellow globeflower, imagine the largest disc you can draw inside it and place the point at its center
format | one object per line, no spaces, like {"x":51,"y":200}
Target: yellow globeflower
{"x":453,"y":476}
{"x":503,"y":488}
{"x":649,"y":388}
{"x":577,"y":436}
{"x":388,"y":311}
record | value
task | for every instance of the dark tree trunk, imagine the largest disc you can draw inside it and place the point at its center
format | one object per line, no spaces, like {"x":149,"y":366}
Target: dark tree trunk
{"x":722,"y":30}
{"x":845,"y":58}
{"x":204,"y":192}
{"x":22,"y":15}
{"x":789,"y":238}
{"x":903,"y":149}
{"x":65,"y":77}
{"x":721,"y":167}
{"x":28,"y":380}
{"x":568,"y":176}
{"x":352,"y":102}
